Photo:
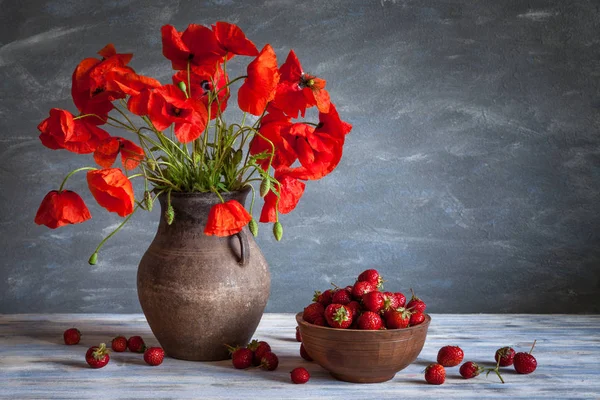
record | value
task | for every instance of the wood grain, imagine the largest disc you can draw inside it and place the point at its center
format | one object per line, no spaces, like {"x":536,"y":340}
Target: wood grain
{"x":34,"y":364}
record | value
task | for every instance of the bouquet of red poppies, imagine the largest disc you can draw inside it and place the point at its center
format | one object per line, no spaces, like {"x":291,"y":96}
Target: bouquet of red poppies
{"x":183,"y":143}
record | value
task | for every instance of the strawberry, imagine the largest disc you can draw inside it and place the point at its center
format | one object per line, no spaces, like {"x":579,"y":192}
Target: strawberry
{"x":119,"y":344}
{"x":72,"y":336}
{"x":324,"y":297}
{"x":450,"y":356}
{"x":341,"y":296}
{"x":338,"y":316}
{"x":397,"y":319}
{"x":259,"y":349}
{"x":320,"y":321}
{"x":362,"y":287}
{"x":525,"y":363}
{"x":370,"y":321}
{"x":354,"y":306}
{"x":269,"y":361}
{"x":298,"y":334}
{"x":241,"y":357}
{"x":136,"y":344}
{"x":470,"y":370}
{"x":373,"y":301}
{"x":506,"y":356}
{"x":299,"y":375}
{"x":312,"y":312}
{"x":401,"y":299}
{"x":304,"y":354}
{"x":97,"y":356}
{"x":371,"y":276}
{"x":435,"y":374}
{"x":415,"y":303}
{"x":390,"y":301}
{"x":417,"y":318}
{"x":154,"y":356}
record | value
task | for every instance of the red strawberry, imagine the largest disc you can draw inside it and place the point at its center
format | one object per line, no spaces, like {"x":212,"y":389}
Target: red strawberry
{"x":354,"y":306}
{"x":417,"y":318}
{"x":136,"y":344}
{"x":435,"y":374}
{"x":397,"y":319}
{"x":299,"y":375}
{"x":154,"y":356}
{"x":341,"y":296}
{"x":97,"y":356}
{"x":338,"y":316}
{"x":390,"y":301}
{"x":401,"y":299}
{"x":370,"y":321}
{"x":241,"y":357}
{"x":304,"y":354}
{"x":298,"y":334}
{"x":415,"y":303}
{"x":506,"y":356}
{"x":269,"y":361}
{"x":320,"y":321}
{"x":450,"y":356}
{"x":525,"y":363}
{"x":119,"y":344}
{"x":313,"y":311}
{"x":371,"y":276}
{"x":470,"y":370}
{"x":259,"y":349}
{"x":361,"y":288}
{"x":323,"y":298}
{"x":72,"y":336}
{"x":373,"y":301}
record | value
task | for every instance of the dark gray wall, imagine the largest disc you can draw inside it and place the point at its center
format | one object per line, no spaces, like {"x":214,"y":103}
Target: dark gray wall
{"x":472,"y":173}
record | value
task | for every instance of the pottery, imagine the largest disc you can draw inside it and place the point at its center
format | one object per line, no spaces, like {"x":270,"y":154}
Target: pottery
{"x":363,"y":356}
{"x":201,"y":292}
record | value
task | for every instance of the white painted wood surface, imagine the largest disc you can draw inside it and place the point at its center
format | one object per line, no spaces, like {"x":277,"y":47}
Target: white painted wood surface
{"x":34,"y":364}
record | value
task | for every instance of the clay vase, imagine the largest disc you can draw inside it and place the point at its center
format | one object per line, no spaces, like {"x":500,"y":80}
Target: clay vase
{"x":201,"y":292}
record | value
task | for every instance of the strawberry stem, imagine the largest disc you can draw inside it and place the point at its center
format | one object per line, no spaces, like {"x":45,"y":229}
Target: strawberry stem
{"x":532,"y":346}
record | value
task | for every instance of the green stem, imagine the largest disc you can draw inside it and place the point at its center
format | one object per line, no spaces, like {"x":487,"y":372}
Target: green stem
{"x":116,"y":230}
{"x":73,"y":172}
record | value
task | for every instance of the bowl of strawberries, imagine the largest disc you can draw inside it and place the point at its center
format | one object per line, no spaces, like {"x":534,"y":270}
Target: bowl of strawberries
{"x":361,"y":333}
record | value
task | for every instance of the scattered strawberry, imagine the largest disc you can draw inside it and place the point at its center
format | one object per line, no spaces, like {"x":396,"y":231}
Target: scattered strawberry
{"x":338,"y":316}
{"x":415,"y":303}
{"x":154,"y":356}
{"x":470,"y":370}
{"x":241,"y":357}
{"x":299,"y":375}
{"x":450,"y":356}
{"x":72,"y":336}
{"x":361,"y":288}
{"x":373,"y":301}
{"x":397,"y":319}
{"x":417,"y":318}
{"x":324,"y":297}
{"x":259,"y":349}
{"x":119,"y":344}
{"x":435,"y":374}
{"x":341,"y":296}
{"x":313,"y":312}
{"x":97,"y":356}
{"x":370,"y":321}
{"x":373,"y":277}
{"x":506,"y":355}
{"x":269,"y":361}
{"x":298,"y":334}
{"x":136,"y":344}
{"x":525,"y":363}
{"x":304,"y":354}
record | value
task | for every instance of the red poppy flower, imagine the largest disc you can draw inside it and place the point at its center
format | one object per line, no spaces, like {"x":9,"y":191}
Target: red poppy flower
{"x":197,"y":45}
{"x":106,"y":154}
{"x":61,"y":131}
{"x":260,"y":85}
{"x":233,"y":40}
{"x":273,"y":126}
{"x":62,"y":208}
{"x":290,"y":191}
{"x":91,"y":92}
{"x":168,"y":104}
{"x":298,"y":91}
{"x":226,"y":219}
{"x":112,"y":190}
{"x":201,"y":82}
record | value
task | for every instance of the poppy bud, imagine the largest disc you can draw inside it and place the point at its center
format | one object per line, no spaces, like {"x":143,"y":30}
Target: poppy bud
{"x":277,"y":230}
{"x":170,"y":214}
{"x":182,"y":86}
{"x":265,"y":186}
{"x":253,"y":226}
{"x":237,"y":157}
{"x":148,"y":200}
{"x":93,"y":259}
{"x":151,"y":164}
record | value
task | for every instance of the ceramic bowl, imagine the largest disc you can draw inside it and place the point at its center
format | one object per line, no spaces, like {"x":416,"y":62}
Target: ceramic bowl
{"x":363,"y":356}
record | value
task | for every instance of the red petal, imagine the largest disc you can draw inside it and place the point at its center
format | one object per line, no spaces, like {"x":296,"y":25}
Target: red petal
{"x":106,"y":153}
{"x":173,"y":47}
{"x":226,"y":219}
{"x":112,"y":190}
{"x":203,"y":45}
{"x":233,"y":40}
{"x":61,"y":208}
{"x":260,"y":86}
{"x":131,"y":154}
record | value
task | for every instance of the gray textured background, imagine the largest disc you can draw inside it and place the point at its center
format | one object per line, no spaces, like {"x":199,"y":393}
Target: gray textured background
{"x":472,"y":173}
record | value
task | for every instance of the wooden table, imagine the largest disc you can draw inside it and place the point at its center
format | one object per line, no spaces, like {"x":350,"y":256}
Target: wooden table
{"x":34,"y":364}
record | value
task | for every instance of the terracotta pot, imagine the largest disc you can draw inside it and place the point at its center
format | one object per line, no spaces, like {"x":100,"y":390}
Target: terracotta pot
{"x":199,"y":292}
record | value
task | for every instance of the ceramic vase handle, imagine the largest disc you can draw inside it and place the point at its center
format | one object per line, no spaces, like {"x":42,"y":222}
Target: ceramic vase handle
{"x":244,"y":248}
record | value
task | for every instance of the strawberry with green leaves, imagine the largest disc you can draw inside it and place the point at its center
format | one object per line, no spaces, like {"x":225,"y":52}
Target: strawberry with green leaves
{"x":373,"y":301}
{"x":259,"y":349}
{"x":313,"y":312}
{"x":370,"y":321}
{"x":505,"y":356}
{"x":361,"y":288}
{"x":97,"y":356}
{"x":470,"y":370}
{"x":338,"y":316}
{"x":415,"y":303}
{"x":398,"y":318}
{"x":323,"y":297}
{"x":372,"y":276}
